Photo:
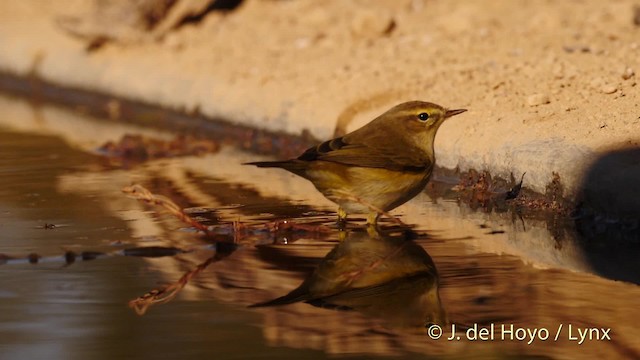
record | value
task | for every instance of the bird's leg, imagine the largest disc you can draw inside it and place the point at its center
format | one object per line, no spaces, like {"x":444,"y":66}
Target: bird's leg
{"x":342,"y":218}
{"x":342,"y":215}
{"x":372,"y":218}
{"x":342,"y":224}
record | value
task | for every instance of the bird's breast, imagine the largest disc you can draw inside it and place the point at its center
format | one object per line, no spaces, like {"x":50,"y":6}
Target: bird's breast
{"x":379,"y":187}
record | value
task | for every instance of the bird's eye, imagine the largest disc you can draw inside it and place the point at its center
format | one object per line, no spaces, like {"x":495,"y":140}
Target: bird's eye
{"x":423,"y":116}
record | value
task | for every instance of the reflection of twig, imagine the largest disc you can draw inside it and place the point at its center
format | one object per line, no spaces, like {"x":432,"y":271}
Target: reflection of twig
{"x":141,"y":193}
{"x":166,"y":294}
{"x":348,"y":196}
{"x":169,"y":292}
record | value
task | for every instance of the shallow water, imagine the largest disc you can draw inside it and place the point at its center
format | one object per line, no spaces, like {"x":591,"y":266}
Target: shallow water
{"x":372,"y":293}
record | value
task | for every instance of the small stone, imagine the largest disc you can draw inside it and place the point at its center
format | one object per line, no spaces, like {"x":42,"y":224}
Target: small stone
{"x":558,"y":71}
{"x":609,"y":89}
{"x":302,"y":43}
{"x":628,"y":73}
{"x":173,"y":42}
{"x":417,"y":5}
{"x":578,"y":48}
{"x":597,"y":83}
{"x":538,"y":99}
{"x":368,"y":24}
{"x":571,"y":72}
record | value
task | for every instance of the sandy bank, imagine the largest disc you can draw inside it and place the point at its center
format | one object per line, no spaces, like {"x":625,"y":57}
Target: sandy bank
{"x":550,"y":86}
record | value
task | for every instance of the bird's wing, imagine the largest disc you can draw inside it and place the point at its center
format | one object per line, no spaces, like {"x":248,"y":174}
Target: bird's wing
{"x":369,"y":150}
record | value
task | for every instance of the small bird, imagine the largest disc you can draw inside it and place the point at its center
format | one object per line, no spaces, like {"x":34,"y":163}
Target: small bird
{"x":377,"y":167}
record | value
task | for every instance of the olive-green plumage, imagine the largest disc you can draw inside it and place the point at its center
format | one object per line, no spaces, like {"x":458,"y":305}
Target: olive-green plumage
{"x":383,"y":164}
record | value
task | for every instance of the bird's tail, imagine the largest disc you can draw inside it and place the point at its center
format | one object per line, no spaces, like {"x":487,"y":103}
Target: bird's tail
{"x":270,"y":164}
{"x":295,"y":166}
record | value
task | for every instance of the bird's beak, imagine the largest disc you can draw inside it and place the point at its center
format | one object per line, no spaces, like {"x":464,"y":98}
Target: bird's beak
{"x":451,"y":113}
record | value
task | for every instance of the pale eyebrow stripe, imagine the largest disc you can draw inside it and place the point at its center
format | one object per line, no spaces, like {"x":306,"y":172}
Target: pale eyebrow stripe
{"x":411,"y":112}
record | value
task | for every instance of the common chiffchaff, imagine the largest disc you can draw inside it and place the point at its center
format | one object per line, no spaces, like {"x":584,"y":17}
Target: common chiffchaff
{"x":379,"y":166}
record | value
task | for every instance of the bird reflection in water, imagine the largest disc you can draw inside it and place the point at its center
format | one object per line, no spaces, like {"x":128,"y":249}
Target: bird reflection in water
{"x":382,"y":275}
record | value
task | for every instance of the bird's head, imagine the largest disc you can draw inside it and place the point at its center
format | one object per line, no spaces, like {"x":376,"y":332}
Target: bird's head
{"x":421,"y":115}
{"x":419,"y":120}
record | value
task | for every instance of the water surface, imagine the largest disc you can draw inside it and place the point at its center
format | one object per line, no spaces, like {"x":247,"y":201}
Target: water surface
{"x":366,"y":294}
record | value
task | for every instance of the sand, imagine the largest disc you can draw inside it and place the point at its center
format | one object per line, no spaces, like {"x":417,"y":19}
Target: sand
{"x":550,"y":85}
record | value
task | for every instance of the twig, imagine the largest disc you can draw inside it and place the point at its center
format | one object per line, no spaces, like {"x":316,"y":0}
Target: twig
{"x":291,"y":225}
{"x":141,"y":193}
{"x":515,"y":190}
